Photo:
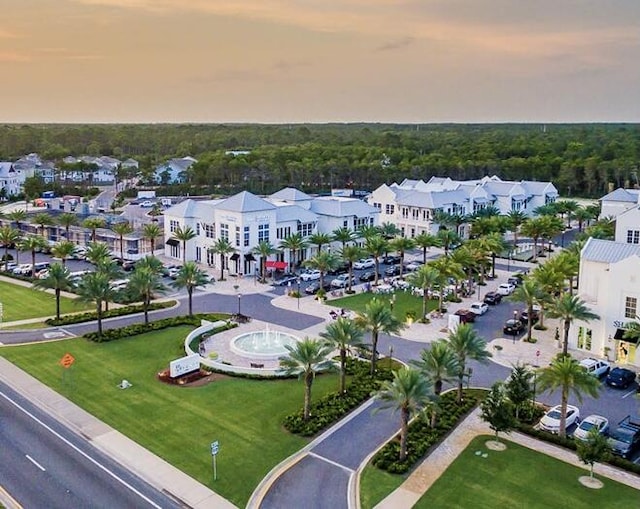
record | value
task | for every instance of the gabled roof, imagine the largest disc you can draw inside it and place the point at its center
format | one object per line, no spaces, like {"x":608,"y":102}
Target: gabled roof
{"x":294,"y":213}
{"x":5,"y":168}
{"x":342,"y":207}
{"x":290,"y":194}
{"x":620,"y":194}
{"x":186,"y":208}
{"x":245,"y":202}
{"x":608,"y":251}
{"x":537,"y":188}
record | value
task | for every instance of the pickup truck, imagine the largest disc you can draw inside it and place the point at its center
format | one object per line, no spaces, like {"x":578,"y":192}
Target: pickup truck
{"x":625,"y":438}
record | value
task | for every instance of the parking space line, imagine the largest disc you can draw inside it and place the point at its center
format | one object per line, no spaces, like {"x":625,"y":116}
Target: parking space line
{"x":628,"y":394}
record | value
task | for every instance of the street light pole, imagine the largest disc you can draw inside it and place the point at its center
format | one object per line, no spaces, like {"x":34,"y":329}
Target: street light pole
{"x":239,"y":299}
{"x":298,"y":294}
{"x":515,"y":320}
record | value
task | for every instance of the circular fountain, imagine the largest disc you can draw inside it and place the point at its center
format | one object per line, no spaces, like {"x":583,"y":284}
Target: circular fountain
{"x":263,"y":343}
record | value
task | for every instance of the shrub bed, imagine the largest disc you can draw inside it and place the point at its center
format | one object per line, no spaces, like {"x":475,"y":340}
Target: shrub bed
{"x":422,"y":436}
{"x":569,"y":443}
{"x":92,"y":315}
{"x":331,"y":408}
{"x":141,"y":328}
{"x":195,"y":342}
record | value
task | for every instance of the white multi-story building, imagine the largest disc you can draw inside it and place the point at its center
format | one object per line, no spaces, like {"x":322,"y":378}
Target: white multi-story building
{"x":610,"y":285}
{"x":245,"y":220}
{"x":616,"y":202}
{"x":413,"y":204}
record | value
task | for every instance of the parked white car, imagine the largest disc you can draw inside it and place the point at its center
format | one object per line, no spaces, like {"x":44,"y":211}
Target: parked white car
{"x":414,"y":266}
{"x":595,"y":367}
{"x":364,"y":263}
{"x":551,"y":420}
{"x":479,"y":308}
{"x":23,"y":269}
{"x":342,"y":281}
{"x":506,"y":289}
{"x":588,"y":423}
{"x":310,"y":275}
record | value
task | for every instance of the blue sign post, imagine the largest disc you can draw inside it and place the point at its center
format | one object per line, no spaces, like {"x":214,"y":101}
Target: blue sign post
{"x":215,"y":447}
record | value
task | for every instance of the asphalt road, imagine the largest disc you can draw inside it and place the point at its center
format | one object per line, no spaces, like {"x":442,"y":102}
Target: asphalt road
{"x":43,"y":464}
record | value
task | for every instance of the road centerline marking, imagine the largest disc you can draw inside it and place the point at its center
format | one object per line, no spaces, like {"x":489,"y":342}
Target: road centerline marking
{"x":35,"y":463}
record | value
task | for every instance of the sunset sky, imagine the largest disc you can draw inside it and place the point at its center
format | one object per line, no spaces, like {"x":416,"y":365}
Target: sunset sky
{"x":319,"y":61}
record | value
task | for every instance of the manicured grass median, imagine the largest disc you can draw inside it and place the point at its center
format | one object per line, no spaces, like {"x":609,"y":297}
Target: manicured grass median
{"x":177,"y":423}
{"x":405,"y":302}
{"x":519,"y":477}
{"x":22,"y":303}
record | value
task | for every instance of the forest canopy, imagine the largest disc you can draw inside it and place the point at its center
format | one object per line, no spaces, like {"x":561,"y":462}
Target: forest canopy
{"x":581,"y":159}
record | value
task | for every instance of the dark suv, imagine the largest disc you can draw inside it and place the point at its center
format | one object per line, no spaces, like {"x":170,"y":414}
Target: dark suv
{"x":341,"y":268}
{"x":620,"y":378}
{"x":492,"y":298}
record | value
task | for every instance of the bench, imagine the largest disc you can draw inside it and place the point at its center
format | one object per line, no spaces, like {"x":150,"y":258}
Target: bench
{"x":256,"y":365}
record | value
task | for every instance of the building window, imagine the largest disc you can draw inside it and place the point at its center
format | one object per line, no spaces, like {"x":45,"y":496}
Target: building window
{"x":209,"y":230}
{"x":378,"y":206}
{"x":405,"y":212}
{"x":633,"y":236}
{"x":197,"y":228}
{"x":224,"y":231}
{"x":345,"y":223}
{"x":415,"y":214}
{"x":584,"y":338}
{"x":173,"y":225}
{"x":246,"y":236}
{"x":305,"y":229}
{"x":175,"y":251}
{"x":237,"y":236}
{"x":263,"y":233}
{"x":198,"y":254}
{"x":389,"y":209}
{"x":360,"y":222}
{"x":630,"y":307}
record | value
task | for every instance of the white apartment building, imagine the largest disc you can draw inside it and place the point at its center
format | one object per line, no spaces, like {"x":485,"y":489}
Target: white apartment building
{"x":609,"y":282}
{"x":413,"y":204}
{"x":245,"y":220}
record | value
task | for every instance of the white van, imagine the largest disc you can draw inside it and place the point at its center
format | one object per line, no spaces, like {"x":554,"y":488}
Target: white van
{"x":119,"y":284}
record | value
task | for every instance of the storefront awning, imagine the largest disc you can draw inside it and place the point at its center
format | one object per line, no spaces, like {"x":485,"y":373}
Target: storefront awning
{"x":249,"y":257}
{"x":173,"y":242}
{"x":619,"y":335}
{"x":234,"y":256}
{"x":275,"y":265}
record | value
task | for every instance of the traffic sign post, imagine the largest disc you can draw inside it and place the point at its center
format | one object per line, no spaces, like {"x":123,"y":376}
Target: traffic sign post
{"x":215,"y":447}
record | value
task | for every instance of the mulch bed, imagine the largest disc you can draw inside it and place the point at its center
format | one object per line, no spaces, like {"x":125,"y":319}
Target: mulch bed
{"x":195,"y":379}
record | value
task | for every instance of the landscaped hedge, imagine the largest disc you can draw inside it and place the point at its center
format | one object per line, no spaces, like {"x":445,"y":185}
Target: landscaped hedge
{"x":92,"y":315}
{"x":569,"y":443}
{"x":422,"y":436}
{"x":195,"y":342}
{"x":141,"y":328}
{"x":332,"y":407}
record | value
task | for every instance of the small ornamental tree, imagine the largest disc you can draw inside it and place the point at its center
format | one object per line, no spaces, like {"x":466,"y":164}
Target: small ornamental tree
{"x":497,"y":410}
{"x":594,"y":449}
{"x":518,"y":388}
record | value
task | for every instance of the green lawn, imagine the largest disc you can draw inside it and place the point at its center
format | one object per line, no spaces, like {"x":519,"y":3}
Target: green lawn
{"x":177,"y":423}
{"x":21,"y":303}
{"x":519,"y":478}
{"x":404,"y":302}
{"x":376,"y":484}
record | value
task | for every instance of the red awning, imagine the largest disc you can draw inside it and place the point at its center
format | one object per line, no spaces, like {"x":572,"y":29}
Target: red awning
{"x":275,"y":265}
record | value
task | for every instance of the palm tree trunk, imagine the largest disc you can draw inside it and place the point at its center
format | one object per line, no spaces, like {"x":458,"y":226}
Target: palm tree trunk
{"x":184,"y":252}
{"x":425,"y":297}
{"x":221,"y":266}
{"x":343,"y":375}
{"x":529,"y":321}
{"x":374,"y":352}
{"x":565,"y":343}
{"x":99,"y":315}
{"x":121,"y":248}
{"x":308,"y":380}
{"x":33,"y":263}
{"x":404,"y":428}
{"x":460,"y":384}
{"x":153,"y":246}
{"x":376,"y":274}
{"x":401,"y":263}
{"x":6,"y":255}
{"x":145,"y":304}
{"x":57,"y":303}
{"x":563,"y":413}
{"x":424,"y":255}
{"x":349,"y":290}
{"x":190,"y":293}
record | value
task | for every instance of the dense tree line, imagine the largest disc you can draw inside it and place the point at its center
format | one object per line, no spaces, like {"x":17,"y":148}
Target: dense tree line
{"x":581,"y":159}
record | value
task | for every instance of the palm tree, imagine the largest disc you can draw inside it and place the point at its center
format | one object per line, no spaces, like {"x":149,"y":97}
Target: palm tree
{"x":366,"y":231}
{"x":183,"y":235}
{"x":143,"y":285}
{"x":466,"y":345}
{"x":190,"y":276}
{"x":550,"y":282}
{"x":566,"y":374}
{"x":122,"y":229}
{"x":344,"y":235}
{"x":67,"y":220}
{"x":351,"y":254}
{"x":425,"y":241}
{"x":9,"y":236}
{"x":152,"y":263}
{"x":42,"y":219}
{"x":222,"y":247}
{"x":401,"y":245}
{"x":97,"y":252}
{"x":264,"y":249}
{"x":424,"y":278}
{"x":320,"y":239}
{"x":568,"y":308}
{"x":33,"y":244}
{"x":295,"y":243}
{"x":376,"y":246}
{"x":582,"y":215}
{"x":447,"y":239}
{"x":533,"y":228}
{"x":409,"y":392}
{"x":377,"y":317}
{"x":58,"y":280}
{"x":93,"y":223}
{"x":530,"y":293}
{"x":323,"y":261}
{"x":17,"y":216}
{"x":389,"y":230}
{"x":63,"y":250}
{"x":150,"y":232}
{"x":305,"y":359}
{"x":95,"y":287}
{"x":446,"y":269}
{"x":516,"y":219}
{"x":345,"y":336}
{"x":112,"y":270}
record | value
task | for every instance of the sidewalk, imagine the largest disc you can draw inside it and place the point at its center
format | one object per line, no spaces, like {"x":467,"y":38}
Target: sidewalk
{"x":434,"y":465}
{"x":132,"y":456}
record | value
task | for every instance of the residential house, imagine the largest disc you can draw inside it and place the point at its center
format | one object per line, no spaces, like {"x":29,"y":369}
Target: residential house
{"x":173,"y":171}
{"x":617,"y":201}
{"x":11,"y":180}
